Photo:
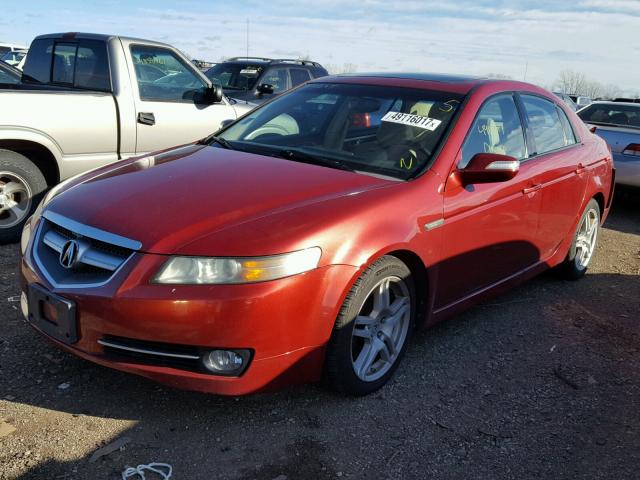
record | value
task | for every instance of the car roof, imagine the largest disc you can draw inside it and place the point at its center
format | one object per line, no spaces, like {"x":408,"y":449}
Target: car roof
{"x":613,"y":104}
{"x":98,"y":36}
{"x":461,"y":84}
{"x":271,"y":61}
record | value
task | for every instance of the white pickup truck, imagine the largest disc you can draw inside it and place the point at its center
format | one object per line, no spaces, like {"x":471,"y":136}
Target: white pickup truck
{"x":87,"y":100}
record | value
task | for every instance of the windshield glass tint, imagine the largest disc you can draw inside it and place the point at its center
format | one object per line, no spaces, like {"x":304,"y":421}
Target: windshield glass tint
{"x":384,"y":130}
{"x":235,"y":76}
{"x":612,"y":114}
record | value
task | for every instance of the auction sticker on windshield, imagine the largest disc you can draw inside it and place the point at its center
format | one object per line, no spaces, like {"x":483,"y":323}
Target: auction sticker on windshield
{"x":412,"y":120}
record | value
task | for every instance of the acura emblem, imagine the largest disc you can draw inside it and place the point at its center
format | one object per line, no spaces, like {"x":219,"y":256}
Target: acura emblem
{"x":69,"y":253}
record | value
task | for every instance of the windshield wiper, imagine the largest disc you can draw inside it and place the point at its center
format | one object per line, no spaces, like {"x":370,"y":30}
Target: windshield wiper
{"x":219,"y":140}
{"x":304,"y":157}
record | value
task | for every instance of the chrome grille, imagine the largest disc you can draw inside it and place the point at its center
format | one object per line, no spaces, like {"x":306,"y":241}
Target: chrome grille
{"x":97,"y":255}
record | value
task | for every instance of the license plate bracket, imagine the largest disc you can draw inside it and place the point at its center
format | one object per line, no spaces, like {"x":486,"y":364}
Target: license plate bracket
{"x":44,"y":304}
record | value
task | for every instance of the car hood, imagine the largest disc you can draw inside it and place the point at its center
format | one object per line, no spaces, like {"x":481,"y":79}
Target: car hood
{"x":168,"y":200}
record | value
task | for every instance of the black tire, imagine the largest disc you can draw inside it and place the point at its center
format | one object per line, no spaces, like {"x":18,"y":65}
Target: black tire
{"x":572,"y":268}
{"x":340,"y":369}
{"x":12,"y":163}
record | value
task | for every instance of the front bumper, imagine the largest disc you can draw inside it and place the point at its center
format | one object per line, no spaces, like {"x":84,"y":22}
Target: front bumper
{"x":285,"y":323}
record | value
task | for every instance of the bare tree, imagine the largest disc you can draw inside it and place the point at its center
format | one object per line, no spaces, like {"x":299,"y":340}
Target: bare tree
{"x":499,"y":76}
{"x":345,"y":68}
{"x":571,"y":82}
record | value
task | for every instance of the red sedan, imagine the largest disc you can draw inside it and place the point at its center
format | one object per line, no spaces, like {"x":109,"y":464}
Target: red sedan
{"x":308,"y":238}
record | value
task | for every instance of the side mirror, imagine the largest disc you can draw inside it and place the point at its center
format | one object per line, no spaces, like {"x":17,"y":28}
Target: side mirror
{"x":265,"y":88}
{"x":213,"y":94}
{"x":489,"y":168}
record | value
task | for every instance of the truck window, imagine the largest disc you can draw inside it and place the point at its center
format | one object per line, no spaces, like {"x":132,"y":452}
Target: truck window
{"x":82,"y":64}
{"x":37,"y":68}
{"x":163,"y":76}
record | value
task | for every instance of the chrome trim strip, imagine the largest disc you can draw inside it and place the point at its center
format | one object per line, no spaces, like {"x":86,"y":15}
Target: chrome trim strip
{"x":91,"y":232}
{"x":106,"y":343}
{"x":54,"y":240}
{"x":434,"y":224}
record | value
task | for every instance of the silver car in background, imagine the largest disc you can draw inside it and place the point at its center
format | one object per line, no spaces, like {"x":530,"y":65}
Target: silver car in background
{"x":619,"y":124}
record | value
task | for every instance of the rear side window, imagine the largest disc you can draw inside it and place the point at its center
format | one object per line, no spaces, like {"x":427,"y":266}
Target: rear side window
{"x":496,"y":129}
{"x":569,"y":134}
{"x":83,"y":64}
{"x":298,"y":76}
{"x":37,"y":68}
{"x":544,"y":122}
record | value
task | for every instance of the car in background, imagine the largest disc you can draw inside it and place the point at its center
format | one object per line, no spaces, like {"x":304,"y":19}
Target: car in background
{"x":13,"y":58}
{"x":580,"y":100}
{"x":618,"y":123}
{"x":567,"y":100}
{"x":9,"y":75}
{"x":11,"y":47}
{"x":258,"y":79}
{"x":309,"y":237}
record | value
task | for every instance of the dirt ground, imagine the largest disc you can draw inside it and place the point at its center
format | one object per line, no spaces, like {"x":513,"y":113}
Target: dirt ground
{"x":541,"y":383}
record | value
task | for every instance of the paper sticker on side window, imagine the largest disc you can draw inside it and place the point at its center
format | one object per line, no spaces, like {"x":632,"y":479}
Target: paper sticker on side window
{"x":412,"y":120}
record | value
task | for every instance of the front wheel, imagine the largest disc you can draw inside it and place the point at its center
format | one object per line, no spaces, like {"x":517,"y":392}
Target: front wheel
{"x":21,"y":186}
{"x":584,"y":244}
{"x":373,"y":328}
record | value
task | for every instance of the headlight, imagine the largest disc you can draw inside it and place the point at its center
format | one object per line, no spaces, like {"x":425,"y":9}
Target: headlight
{"x":210,"y":270}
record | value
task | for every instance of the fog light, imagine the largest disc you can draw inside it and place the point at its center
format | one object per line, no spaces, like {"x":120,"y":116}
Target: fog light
{"x":226,"y":362}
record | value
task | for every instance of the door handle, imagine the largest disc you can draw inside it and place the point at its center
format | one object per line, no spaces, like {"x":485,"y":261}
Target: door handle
{"x":146,"y":118}
{"x":532,"y":188}
{"x":581,"y":169}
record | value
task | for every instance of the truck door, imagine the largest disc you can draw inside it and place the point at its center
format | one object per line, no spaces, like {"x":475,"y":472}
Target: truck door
{"x":171,"y":107}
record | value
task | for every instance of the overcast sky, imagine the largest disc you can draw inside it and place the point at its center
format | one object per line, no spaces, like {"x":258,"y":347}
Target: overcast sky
{"x":598,"y":37}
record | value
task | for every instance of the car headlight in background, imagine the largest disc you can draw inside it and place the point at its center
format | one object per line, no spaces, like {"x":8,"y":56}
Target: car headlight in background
{"x":222,"y":270}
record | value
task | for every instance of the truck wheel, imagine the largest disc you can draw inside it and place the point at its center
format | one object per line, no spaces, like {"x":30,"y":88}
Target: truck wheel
{"x":21,"y":187}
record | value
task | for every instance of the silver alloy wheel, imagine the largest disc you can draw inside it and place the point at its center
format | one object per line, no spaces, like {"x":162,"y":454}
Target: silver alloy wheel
{"x":586,"y":239}
{"x":15,"y":199}
{"x":380,"y":329}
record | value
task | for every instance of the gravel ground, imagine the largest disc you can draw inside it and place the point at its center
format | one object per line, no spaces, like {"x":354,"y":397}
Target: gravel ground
{"x":541,"y":383}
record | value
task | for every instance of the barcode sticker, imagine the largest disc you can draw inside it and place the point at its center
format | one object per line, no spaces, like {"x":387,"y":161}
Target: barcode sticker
{"x":412,"y":120}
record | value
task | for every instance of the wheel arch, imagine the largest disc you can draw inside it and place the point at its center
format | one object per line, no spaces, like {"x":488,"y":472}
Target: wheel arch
{"x":41,"y":155}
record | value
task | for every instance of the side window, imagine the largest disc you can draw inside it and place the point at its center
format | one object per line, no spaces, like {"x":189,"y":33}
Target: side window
{"x":92,"y":66}
{"x":496,"y":129}
{"x":37,"y":67}
{"x":276,"y":77}
{"x":298,"y":76}
{"x":569,"y":134}
{"x":163,"y":76}
{"x":544,"y":121}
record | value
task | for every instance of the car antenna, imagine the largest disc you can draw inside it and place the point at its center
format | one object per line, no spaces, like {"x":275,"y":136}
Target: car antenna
{"x":246,"y":85}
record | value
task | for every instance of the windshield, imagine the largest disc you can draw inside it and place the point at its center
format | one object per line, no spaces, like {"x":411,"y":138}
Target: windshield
{"x":383,"y":130}
{"x":235,"y":76}
{"x":612,"y":114}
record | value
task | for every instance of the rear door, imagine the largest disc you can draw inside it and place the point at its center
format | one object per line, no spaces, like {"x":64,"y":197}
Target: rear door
{"x":489,"y":230}
{"x":170,"y":99}
{"x":563,"y":165}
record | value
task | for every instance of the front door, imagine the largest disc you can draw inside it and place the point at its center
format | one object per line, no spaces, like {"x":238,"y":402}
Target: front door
{"x":489,"y":230}
{"x":170,"y":100}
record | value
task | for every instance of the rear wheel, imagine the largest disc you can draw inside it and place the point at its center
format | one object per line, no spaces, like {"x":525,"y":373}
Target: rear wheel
{"x":584,"y":244}
{"x":21,"y":186}
{"x":373,"y":328}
